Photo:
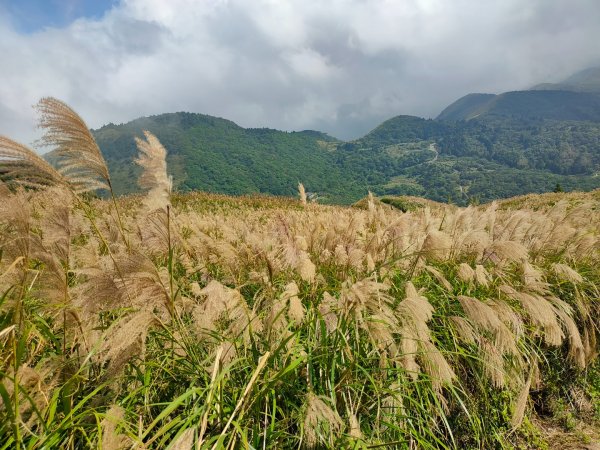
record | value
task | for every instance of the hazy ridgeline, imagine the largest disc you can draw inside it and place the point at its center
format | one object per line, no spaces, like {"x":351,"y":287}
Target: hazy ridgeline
{"x":205,"y":321}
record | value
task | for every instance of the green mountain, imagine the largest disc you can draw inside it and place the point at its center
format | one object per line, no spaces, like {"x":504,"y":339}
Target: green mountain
{"x":216,"y":155}
{"x":467,"y":107}
{"x":535,"y":104}
{"x":481,"y":147}
{"x":587,"y":80}
{"x":575,"y":98}
{"x":479,"y":159}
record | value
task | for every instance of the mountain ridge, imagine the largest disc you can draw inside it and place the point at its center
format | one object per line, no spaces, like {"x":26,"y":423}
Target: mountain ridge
{"x":530,"y":104}
{"x":486,"y":146}
{"x":217,"y":155}
{"x":586,"y":80}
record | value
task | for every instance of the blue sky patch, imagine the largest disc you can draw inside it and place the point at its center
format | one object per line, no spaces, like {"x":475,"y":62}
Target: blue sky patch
{"x":29,"y":16}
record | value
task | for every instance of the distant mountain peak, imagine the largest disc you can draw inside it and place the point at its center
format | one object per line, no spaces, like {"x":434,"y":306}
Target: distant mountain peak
{"x":467,"y":107}
{"x":586,"y":80}
{"x":575,"y":98}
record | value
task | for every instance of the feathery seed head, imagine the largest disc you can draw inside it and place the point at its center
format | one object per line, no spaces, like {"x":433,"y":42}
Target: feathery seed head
{"x":112,"y":439}
{"x":78,"y":156}
{"x":295,"y":306}
{"x":541,"y":313}
{"x":464,"y":329}
{"x":21,"y":165}
{"x":437,"y":245}
{"x":152,"y":159}
{"x":484,"y":317}
{"x":322,"y":424}
{"x":565,"y":273}
{"x":482,"y":276}
{"x":441,"y":279}
{"x":302,"y":194}
{"x":506,"y":250}
{"x":465,"y":273}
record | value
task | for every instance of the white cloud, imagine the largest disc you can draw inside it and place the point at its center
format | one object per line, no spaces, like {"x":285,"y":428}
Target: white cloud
{"x":341,"y":66}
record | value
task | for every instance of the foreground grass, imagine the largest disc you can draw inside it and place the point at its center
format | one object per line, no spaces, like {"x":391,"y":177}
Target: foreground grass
{"x":263,"y":323}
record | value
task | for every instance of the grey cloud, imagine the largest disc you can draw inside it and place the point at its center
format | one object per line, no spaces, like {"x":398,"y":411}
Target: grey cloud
{"x":136,"y":36}
{"x":341,"y":67}
{"x":18,"y":125}
{"x":352,"y":120}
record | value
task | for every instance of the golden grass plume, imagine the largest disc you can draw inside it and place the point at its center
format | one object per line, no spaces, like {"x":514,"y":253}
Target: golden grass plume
{"x":78,"y":156}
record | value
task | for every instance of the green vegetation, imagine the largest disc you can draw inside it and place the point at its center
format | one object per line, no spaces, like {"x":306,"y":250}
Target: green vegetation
{"x":535,"y":104}
{"x":467,"y":107}
{"x":401,"y":203}
{"x":215,"y":155}
{"x":587,"y":80}
{"x":489,"y":157}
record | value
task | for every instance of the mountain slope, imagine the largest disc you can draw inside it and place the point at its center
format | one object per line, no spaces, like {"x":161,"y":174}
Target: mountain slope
{"x":575,"y":98}
{"x":535,"y":104}
{"x":467,"y":107}
{"x":587,"y":80}
{"x":479,"y":159}
{"x":216,"y":155}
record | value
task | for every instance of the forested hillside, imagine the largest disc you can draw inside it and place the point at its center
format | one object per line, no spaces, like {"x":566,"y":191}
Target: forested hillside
{"x":216,"y":155}
{"x":480,"y":148}
{"x":534,"y":104}
{"x":476,"y":160}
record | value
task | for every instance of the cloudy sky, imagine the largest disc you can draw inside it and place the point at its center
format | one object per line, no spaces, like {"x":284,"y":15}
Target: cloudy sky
{"x":340,"y":66}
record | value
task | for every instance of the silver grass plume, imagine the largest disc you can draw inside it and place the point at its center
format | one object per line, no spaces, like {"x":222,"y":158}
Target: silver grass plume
{"x":185,"y":441}
{"x":533,"y":278}
{"x":464,"y":329}
{"x":354,"y":427}
{"x":322,"y":424}
{"x":509,"y":316}
{"x":295,"y":307}
{"x":565,"y":273}
{"x":328,"y":309}
{"x":21,"y":165}
{"x":484,"y":317}
{"x":465,"y":273}
{"x":127,"y":340}
{"x":493,"y":362}
{"x":222,"y":302}
{"x":302,"y":194}
{"x":32,"y":385}
{"x":152,"y":159}
{"x":78,"y":156}
{"x":506,"y":250}
{"x":4,"y":191}
{"x":299,"y":259}
{"x":541,"y":313}
{"x":437,"y":245}
{"x":414,"y":312}
{"x":112,"y":438}
{"x":439,"y":277}
{"x":521,"y":402}
{"x":482,"y":276}
{"x":369,"y":304}
{"x":371,"y":205}
{"x":576,"y":348}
